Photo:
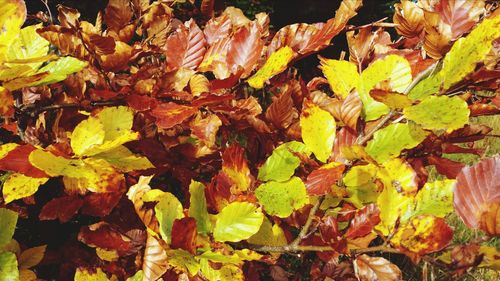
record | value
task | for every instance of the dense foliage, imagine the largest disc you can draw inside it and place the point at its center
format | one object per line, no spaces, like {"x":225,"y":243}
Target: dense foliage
{"x":175,"y":140}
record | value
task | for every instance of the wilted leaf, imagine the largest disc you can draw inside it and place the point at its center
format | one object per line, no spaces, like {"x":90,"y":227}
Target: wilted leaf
{"x":409,"y":18}
{"x":8,"y":221}
{"x":235,"y":166}
{"x":281,"y":165}
{"x":155,"y":260}
{"x":8,"y":267}
{"x":105,"y":236}
{"x":376,"y":269}
{"x":342,"y":75}
{"x":118,"y":60}
{"x":87,"y":275}
{"x":117,"y":14}
{"x":19,"y":186}
{"x":185,"y":48}
{"x":245,"y":49}
{"x":282,"y":198}
{"x":167,"y":210}
{"x":318,"y":130}
{"x":237,"y":221}
{"x":321,"y":180}
{"x":351,"y":110}
{"x":275,"y":64}
{"x":184,"y":235}
{"x":281,"y":111}
{"x":31,"y":257}
{"x":391,"y":140}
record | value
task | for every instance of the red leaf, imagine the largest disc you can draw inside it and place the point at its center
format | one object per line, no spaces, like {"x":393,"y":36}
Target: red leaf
{"x":17,"y":160}
{"x":469,"y":133}
{"x":62,"y":208}
{"x":100,"y":204}
{"x":170,"y":114}
{"x":281,"y":111}
{"x":117,"y":14}
{"x":329,"y":230}
{"x":185,"y":48}
{"x":345,"y":137}
{"x":320,"y":181}
{"x":461,"y":16}
{"x":245,"y":49}
{"x":364,"y":221}
{"x":141,"y":102}
{"x":103,"y":235}
{"x":477,"y":194}
{"x":235,"y":167}
{"x":207,"y":8}
{"x":350,"y":110}
{"x":184,"y":235}
{"x":446,"y":167}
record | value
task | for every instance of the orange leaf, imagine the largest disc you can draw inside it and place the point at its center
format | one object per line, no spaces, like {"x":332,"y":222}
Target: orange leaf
{"x":321,"y":180}
{"x":170,"y":114}
{"x":376,"y":269}
{"x":185,"y":48}
{"x":245,"y":49}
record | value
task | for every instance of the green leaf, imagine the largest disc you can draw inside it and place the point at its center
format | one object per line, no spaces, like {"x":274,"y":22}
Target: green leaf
{"x":137,"y":276}
{"x":282,"y":198}
{"x":318,"y":130}
{"x":439,"y":113}
{"x":198,"y":207}
{"x":8,"y":221}
{"x":391,"y":140}
{"x":87,"y":134}
{"x":237,"y":221}
{"x":8,"y":267}
{"x":392,"y":68}
{"x":168,"y":209}
{"x":281,"y":165}
{"x":58,"y":70}
{"x":183,"y":260}
{"x":342,"y":75}
{"x":124,"y":160}
{"x":19,"y":186}
{"x":461,"y":60}
{"x":269,"y":235}
{"x":360,"y":183}
{"x":435,"y":198}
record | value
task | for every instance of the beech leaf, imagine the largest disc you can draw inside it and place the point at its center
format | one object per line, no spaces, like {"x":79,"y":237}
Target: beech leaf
{"x":198,"y":207}
{"x":282,"y":198}
{"x":8,"y":267}
{"x":8,"y":221}
{"x":275,"y":64}
{"x":376,"y":269}
{"x":318,"y":130}
{"x":19,"y":186}
{"x":281,"y":165}
{"x":237,"y":221}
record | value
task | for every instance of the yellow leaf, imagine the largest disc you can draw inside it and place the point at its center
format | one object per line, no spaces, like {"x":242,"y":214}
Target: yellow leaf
{"x":31,"y":257}
{"x":391,"y":204}
{"x":106,"y":255}
{"x":342,"y":75}
{"x":87,"y":134}
{"x":275,"y":64}
{"x":85,"y":275}
{"x":19,"y":186}
{"x":28,"y":45}
{"x":124,"y":160}
{"x":400,"y":175}
{"x":12,"y":16}
{"x":269,"y":235}
{"x":6,"y":148}
{"x":318,"y":130}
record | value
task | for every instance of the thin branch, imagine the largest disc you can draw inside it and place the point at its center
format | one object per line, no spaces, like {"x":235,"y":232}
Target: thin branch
{"x":381,"y":248}
{"x":379,"y":125}
{"x":290,"y":248}
{"x":46,"y":3}
{"x":378,"y":23}
{"x":35,"y":111}
{"x":305,"y":229}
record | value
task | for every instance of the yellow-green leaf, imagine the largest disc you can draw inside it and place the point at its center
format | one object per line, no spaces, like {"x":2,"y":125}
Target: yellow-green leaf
{"x":281,"y":165}
{"x":391,"y":204}
{"x":168,"y":209}
{"x":391,"y":140}
{"x":8,"y":267}
{"x":439,"y":113}
{"x":237,"y":221}
{"x":86,"y":275}
{"x":27,"y":46}
{"x":87,"y":134}
{"x":318,"y":130}
{"x":124,"y":160}
{"x":392,"y":68}
{"x":19,"y":186}
{"x":361,"y":184}
{"x":400,"y":175}
{"x":58,"y":70}
{"x":269,"y":235}
{"x":342,"y":75}
{"x":282,"y":198}
{"x":8,"y":221}
{"x":198,"y":207}
{"x":183,"y":260}
{"x":12,"y":16}
{"x":275,"y":64}
{"x":116,"y":121}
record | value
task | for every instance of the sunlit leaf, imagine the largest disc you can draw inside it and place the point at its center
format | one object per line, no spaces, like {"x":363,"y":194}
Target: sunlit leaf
{"x":8,"y":267}
{"x":12,"y":16}
{"x":167,"y":210}
{"x":19,"y":186}
{"x":245,"y":49}
{"x":235,"y":166}
{"x":318,"y":130}
{"x":282,"y":198}
{"x":8,"y":221}
{"x":269,"y":235}
{"x":361,"y":184}
{"x":275,"y":64}
{"x":409,"y":18}
{"x":391,"y":140}
{"x":321,"y":180}
{"x":439,"y":112}
{"x":392,"y":204}
{"x":364,"y":221}
{"x":376,"y":269}
{"x":28,"y":46}
{"x":87,"y":134}
{"x":155,"y":260}
{"x":58,"y":70}
{"x":198,"y":207}
{"x":124,"y":160}
{"x":342,"y":75}
{"x":399,"y":174}
{"x":183,"y":261}
{"x":281,"y":165}
{"x":170,"y":114}
{"x":88,"y":275}
{"x":237,"y":221}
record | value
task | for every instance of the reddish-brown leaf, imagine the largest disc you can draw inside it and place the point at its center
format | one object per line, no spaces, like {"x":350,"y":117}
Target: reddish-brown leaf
{"x":170,"y":114}
{"x":364,"y":221}
{"x":245,"y":49}
{"x":217,"y":28}
{"x":469,"y":133}
{"x":480,"y":109}
{"x":62,"y":208}
{"x":117,"y":14}
{"x":205,"y":129}
{"x":184,"y":235}
{"x":185,"y":47}
{"x":460,"y":15}
{"x":235,"y":167}
{"x":376,"y":269}
{"x":409,"y":18}
{"x":345,"y":138}
{"x":141,"y":102}
{"x":100,"y":204}
{"x":207,"y":8}
{"x":477,"y":195}
{"x":351,"y":110}
{"x":17,"y":161}
{"x":281,"y":111}
{"x":321,"y":180}
{"x":329,"y":230}
{"x":105,"y":236}
{"x":446,"y":167}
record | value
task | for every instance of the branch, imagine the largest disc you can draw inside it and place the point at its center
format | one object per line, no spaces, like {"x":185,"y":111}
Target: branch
{"x":378,"y":23}
{"x":305,"y":229}
{"x":380,"y":248}
{"x":290,"y":248}
{"x":379,"y":125}
{"x":35,"y":111}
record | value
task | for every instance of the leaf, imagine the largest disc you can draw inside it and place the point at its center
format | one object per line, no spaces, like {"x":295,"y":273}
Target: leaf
{"x":281,"y":112}
{"x":199,"y":84}
{"x":460,"y":16}
{"x":116,"y":121}
{"x":26,"y":47}
{"x":87,"y":134}
{"x":184,"y":235}
{"x":155,"y":260}
{"x":237,"y":221}
{"x":138,"y":276}
{"x":8,"y":221}
{"x":318,"y":130}
{"x":31,"y":257}
{"x":361,"y":184}
{"x":245,"y":49}
{"x":217,"y":28}
{"x":281,"y":165}
{"x":275,"y":64}
{"x":364,"y":221}
{"x":282,"y":198}
{"x":198,"y":207}
{"x":104,"y":236}
{"x":19,"y":186}
{"x":58,"y":70}
{"x":124,"y":160}
{"x":235,"y":166}
{"x":399,"y":174}
{"x":392,"y":205}
{"x":321,"y":180}
{"x":12,"y":16}
{"x":185,"y":47}
{"x":461,"y":60}
{"x":342,"y":75}
{"x":269,"y":235}
{"x":409,"y":18}
{"x":117,"y":14}
{"x":167,"y":210}
{"x":183,"y":261}
{"x":423,"y":235}
{"x":392,"y":68}
{"x":62,"y":208}
{"x":476,"y":195}
{"x":391,"y":140}
{"x":439,"y":113}
{"x":391,"y":99}
{"x":170,"y":114}
{"x":8,"y":267}
{"x":435,"y":198}
{"x":86,"y":275}
{"x":351,"y":110}
{"x":376,"y":269}
{"x":118,"y":60}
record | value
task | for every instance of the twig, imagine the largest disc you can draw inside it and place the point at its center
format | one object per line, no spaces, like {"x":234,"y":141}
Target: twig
{"x":379,"y":125}
{"x":35,"y":111}
{"x":381,"y":248}
{"x":378,"y":23}
{"x":290,"y":248}
{"x":45,"y":2}
{"x":305,"y":229}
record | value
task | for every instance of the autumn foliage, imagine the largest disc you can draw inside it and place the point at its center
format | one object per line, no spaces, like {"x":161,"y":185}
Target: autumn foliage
{"x":177,"y":141}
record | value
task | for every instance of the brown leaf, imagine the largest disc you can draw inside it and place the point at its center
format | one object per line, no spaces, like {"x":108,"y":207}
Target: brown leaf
{"x":469,"y":133}
{"x":170,"y":114}
{"x":185,"y":47}
{"x":100,"y":204}
{"x":103,"y":45}
{"x":217,"y":28}
{"x":480,"y":109}
{"x":345,"y":138}
{"x":245,"y":49}
{"x":184,"y":235}
{"x":477,"y":193}
{"x":376,"y":269}
{"x":215,"y":59}
{"x":446,"y":167}
{"x":360,"y":44}
{"x":364,"y":221}
{"x":62,"y":208}
{"x":199,"y":84}
{"x":321,"y":180}
{"x":437,"y":35}
{"x":409,"y":18}
{"x":68,"y":17}
{"x":332,"y":105}
{"x":119,"y":59}
{"x":117,"y":14}
{"x":329,"y":230}
{"x":207,"y":8}
{"x":237,"y":17}
{"x":281,"y":111}
{"x":65,"y":40}
{"x":105,"y":236}
{"x":205,"y":129}
{"x":235,"y":167}
{"x":155,"y":260}
{"x":351,"y":110}
{"x":460,"y":15}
